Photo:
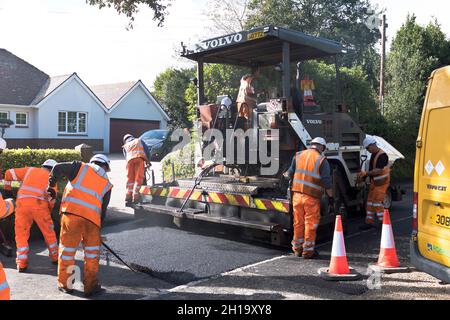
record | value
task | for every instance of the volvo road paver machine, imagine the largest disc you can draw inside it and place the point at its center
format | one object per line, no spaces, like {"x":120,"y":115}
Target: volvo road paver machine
{"x":247,"y":193}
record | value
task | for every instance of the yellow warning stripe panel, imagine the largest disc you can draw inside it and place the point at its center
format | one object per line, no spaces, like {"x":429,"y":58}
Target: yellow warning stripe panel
{"x":259,"y":204}
{"x":215,"y":198}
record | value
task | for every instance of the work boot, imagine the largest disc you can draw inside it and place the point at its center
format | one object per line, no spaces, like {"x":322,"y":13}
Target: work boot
{"x":128,"y":203}
{"x":22,"y":269}
{"x":65,"y":290}
{"x":310,"y":255}
{"x":298,"y":254}
{"x":97,"y":289}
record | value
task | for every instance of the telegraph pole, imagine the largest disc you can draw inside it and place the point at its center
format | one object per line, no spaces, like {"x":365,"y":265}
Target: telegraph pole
{"x":384,"y":26}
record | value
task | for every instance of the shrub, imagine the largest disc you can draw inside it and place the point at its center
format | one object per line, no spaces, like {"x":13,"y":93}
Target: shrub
{"x":19,"y":158}
{"x":183,"y":161}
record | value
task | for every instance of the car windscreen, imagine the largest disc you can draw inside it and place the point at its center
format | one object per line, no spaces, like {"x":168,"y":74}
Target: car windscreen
{"x":156,"y":134}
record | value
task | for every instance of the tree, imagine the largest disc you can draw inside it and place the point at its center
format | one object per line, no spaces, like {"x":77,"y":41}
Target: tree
{"x":219,"y":80}
{"x":169,"y":89}
{"x":340,"y":20}
{"x":228,"y":16}
{"x":130,"y":8}
{"x":416,"y":51}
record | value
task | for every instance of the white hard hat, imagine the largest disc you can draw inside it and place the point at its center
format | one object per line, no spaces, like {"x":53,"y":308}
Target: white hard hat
{"x":3,"y":144}
{"x":369,"y":140}
{"x":226,"y":102}
{"x":101,"y":158}
{"x":127,"y":137}
{"x":320,"y":141}
{"x":50,"y":163}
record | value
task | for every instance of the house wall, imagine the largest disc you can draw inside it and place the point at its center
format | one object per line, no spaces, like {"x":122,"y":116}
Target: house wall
{"x":137,"y":105}
{"x":17,"y":132}
{"x":72,"y":97}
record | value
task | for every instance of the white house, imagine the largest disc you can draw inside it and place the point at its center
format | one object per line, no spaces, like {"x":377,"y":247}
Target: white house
{"x":63,"y":112}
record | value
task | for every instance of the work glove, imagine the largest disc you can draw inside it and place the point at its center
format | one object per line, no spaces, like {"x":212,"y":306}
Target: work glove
{"x":52,"y":193}
{"x":361,"y":176}
{"x":331,"y":201}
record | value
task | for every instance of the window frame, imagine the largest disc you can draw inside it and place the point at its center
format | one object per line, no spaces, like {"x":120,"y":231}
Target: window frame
{"x":26,"y":125}
{"x":78,"y":133}
{"x":7,"y":114}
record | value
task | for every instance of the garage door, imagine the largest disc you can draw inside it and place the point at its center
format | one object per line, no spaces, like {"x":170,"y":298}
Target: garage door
{"x":121,"y":127}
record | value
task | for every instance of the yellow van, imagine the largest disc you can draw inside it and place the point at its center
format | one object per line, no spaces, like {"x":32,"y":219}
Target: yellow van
{"x":430,"y":244}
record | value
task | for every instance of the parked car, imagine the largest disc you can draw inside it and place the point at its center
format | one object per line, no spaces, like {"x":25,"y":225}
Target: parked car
{"x":159,"y":144}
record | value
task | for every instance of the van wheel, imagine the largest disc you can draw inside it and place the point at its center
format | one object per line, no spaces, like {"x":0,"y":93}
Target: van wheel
{"x":388,"y":199}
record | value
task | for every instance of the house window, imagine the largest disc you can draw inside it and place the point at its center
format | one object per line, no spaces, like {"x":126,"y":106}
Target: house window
{"x":4,"y":115}
{"x":70,"y":122}
{"x":21,"y":119}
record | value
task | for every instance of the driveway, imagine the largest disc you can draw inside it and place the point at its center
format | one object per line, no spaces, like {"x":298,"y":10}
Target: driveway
{"x":118,"y":177}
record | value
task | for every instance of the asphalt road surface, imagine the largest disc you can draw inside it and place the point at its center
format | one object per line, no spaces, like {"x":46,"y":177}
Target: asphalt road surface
{"x":205,"y":263}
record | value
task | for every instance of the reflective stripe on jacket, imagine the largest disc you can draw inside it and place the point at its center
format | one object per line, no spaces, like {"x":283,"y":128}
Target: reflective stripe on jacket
{"x":15,"y":174}
{"x":7,"y":207}
{"x":134,"y":149}
{"x":385,"y":175}
{"x":4,"y":287}
{"x":34,"y":187}
{"x":307,"y":178}
{"x":83,"y":196}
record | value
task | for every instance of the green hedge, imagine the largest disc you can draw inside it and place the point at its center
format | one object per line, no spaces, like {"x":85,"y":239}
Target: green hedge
{"x":183,"y":161}
{"x":19,"y":158}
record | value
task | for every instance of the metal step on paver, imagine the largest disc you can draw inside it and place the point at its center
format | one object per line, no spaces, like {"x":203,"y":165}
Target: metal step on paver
{"x":198,"y":214}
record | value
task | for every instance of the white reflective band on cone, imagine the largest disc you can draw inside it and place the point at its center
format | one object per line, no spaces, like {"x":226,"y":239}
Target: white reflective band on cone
{"x":387,"y":237}
{"x":338,"y":245}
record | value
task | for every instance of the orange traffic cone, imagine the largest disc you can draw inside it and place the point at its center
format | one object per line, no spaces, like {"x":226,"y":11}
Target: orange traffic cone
{"x":388,"y":259}
{"x":339,"y":269}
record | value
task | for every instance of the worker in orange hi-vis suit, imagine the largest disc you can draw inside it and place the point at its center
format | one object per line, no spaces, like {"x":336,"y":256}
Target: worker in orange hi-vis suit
{"x":311,"y":176}
{"x":83,"y":207}
{"x":135,"y":152}
{"x":379,"y":174}
{"x":7,"y":208}
{"x":33,"y":205}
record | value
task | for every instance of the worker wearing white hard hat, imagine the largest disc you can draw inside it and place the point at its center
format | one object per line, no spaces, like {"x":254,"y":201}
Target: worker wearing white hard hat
{"x":83,"y":208}
{"x":34,"y":205}
{"x":379,"y":175}
{"x":137,"y":155}
{"x":310,"y":173}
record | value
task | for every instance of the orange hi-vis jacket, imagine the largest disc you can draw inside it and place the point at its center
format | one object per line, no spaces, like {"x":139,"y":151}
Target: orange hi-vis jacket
{"x":307,"y":178}
{"x":384,"y":177}
{"x":135,"y":149}
{"x":34,"y":186}
{"x":15,"y":174}
{"x":83,"y":196}
{"x":7,"y":207}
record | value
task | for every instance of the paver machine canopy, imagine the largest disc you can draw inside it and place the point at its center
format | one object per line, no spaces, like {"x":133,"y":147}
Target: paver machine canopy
{"x":275,"y":46}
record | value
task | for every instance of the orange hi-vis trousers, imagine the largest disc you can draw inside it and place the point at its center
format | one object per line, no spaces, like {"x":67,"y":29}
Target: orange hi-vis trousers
{"x":25,"y":216}
{"x":4,"y":287}
{"x":75,"y":229}
{"x":306,"y":222}
{"x":135,"y":178}
{"x":375,"y":203}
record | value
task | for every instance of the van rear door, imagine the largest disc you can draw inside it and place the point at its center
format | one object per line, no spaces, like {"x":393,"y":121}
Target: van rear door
{"x":434,"y":173}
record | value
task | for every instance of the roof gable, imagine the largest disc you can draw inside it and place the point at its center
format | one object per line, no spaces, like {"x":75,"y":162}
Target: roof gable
{"x":64,"y":83}
{"x":20,"y":81}
{"x":139,"y":84}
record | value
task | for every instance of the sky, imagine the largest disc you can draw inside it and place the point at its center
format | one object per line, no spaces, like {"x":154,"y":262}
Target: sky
{"x":65,"y":36}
